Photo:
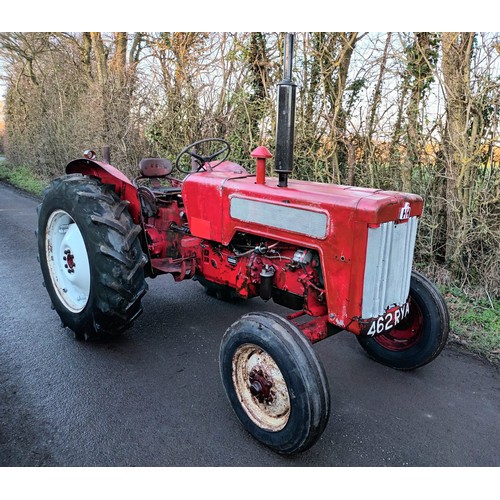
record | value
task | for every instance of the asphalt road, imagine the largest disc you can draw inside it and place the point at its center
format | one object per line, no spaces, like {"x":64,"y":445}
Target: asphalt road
{"x":154,"y":398}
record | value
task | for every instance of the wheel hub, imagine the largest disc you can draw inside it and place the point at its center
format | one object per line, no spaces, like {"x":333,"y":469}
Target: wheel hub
{"x":406,"y":334}
{"x":69,"y":258}
{"x":260,"y":386}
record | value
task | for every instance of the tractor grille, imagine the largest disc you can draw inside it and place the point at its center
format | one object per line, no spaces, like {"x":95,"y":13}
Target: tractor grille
{"x":389,"y":258}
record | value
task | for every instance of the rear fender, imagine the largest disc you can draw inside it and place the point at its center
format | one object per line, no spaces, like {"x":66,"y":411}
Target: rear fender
{"x":109,"y":175}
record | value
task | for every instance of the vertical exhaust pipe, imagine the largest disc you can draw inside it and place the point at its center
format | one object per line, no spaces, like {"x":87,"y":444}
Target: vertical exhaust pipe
{"x":285,"y":126}
{"x":106,"y":155}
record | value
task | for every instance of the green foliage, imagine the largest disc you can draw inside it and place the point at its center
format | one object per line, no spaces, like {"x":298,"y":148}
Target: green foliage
{"x":422,"y":56}
{"x":475,"y":321}
{"x":354,"y":93}
{"x":23,"y":178}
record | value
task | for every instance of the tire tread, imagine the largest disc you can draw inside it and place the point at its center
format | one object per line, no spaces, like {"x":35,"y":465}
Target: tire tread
{"x":114,"y":251}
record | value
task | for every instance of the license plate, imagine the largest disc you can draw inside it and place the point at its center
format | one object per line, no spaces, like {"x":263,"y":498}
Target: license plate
{"x":388,"y":320}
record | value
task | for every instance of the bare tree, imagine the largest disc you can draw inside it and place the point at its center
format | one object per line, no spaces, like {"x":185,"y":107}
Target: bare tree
{"x":411,"y":111}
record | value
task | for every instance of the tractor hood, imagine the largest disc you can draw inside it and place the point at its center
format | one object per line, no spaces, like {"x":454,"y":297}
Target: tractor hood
{"x":219,"y":205}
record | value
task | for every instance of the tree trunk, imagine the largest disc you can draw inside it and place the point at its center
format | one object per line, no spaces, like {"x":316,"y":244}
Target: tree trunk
{"x":119,"y":61}
{"x":418,"y":61}
{"x":369,"y":146}
{"x":377,"y":94}
{"x":339,"y":156}
{"x":457,"y":53}
{"x":85,"y":50}
{"x":101,"y":57}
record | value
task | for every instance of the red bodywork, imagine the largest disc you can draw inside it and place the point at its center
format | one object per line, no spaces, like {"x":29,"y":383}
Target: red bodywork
{"x":195,"y":234}
{"x":109,"y":175}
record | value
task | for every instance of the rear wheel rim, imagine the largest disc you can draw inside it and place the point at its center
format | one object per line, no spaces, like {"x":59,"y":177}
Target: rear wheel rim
{"x":67,"y":261}
{"x":405,"y":335}
{"x":260,"y":387}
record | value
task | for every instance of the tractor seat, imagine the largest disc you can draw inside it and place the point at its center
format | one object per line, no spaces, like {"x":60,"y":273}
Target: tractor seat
{"x":155,"y":167}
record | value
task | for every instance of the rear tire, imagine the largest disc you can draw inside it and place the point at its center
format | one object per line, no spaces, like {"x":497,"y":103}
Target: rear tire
{"x":420,"y":337}
{"x":274,"y":382}
{"x":91,"y":257}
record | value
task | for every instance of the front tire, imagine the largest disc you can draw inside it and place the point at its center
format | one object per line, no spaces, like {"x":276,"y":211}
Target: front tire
{"x":91,"y":257}
{"x":420,"y":337}
{"x":274,"y":382}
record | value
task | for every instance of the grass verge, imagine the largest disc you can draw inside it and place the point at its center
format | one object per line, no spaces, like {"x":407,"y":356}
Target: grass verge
{"x":22,"y":177}
{"x":475,"y":323}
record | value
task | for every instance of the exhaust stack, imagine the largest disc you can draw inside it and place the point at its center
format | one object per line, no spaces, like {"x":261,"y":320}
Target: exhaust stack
{"x":285,"y":126}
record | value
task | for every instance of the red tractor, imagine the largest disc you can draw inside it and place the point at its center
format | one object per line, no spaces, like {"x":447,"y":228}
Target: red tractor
{"x":340,"y":257}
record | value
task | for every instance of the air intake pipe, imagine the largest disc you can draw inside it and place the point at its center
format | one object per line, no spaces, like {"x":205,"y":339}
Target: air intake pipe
{"x":285,"y":126}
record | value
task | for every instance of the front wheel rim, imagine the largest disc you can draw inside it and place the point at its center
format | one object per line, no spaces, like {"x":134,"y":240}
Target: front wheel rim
{"x":405,"y":335}
{"x":67,"y":261}
{"x":260,"y":387}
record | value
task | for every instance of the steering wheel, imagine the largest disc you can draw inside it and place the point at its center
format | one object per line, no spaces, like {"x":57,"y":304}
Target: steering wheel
{"x":202,"y":160}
